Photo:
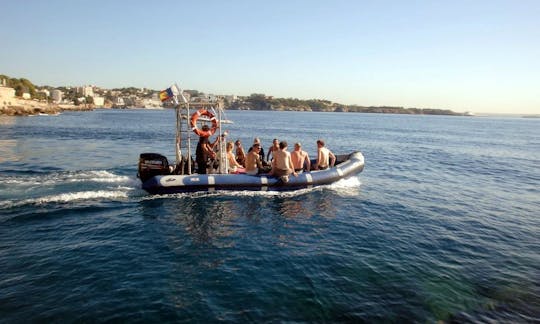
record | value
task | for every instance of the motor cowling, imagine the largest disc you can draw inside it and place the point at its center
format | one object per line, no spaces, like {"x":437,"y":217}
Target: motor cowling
{"x":152,"y":164}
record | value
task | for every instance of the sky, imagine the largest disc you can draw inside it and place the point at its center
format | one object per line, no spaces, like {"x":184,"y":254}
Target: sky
{"x":479,"y":56}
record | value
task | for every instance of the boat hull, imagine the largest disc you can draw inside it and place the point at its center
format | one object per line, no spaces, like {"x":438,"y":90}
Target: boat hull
{"x":165,"y":184}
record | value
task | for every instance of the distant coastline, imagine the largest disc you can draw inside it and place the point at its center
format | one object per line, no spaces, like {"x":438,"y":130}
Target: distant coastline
{"x":30,"y":107}
{"x":263,"y":102}
{"x":24,"y":107}
{"x":354,"y":109}
{"x":20,"y":97}
{"x":16,"y":106}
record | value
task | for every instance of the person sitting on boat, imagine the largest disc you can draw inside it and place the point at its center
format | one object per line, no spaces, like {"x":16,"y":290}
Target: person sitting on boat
{"x":261,"y":151}
{"x":204,"y":152}
{"x":271,"y":149}
{"x":282,"y":164}
{"x":234,"y":167}
{"x":325,"y":158}
{"x":253,"y":160}
{"x":300,"y":158}
{"x":240,"y":153}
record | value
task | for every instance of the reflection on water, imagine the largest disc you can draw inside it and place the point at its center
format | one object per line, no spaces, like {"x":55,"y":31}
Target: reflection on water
{"x":307,"y":206}
{"x":8,"y":151}
{"x":294,"y":208}
{"x":205,"y":219}
{"x":8,"y":147}
{"x":7,"y":120}
{"x":208,"y":219}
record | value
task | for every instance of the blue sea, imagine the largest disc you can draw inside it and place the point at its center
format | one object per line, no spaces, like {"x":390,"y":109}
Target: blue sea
{"x":443,"y":224}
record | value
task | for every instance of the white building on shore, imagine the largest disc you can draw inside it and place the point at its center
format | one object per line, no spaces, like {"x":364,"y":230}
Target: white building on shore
{"x":7,"y":96}
{"x":56,"y":96}
{"x":86,"y":91}
{"x":46,"y":92}
{"x":99,"y":101}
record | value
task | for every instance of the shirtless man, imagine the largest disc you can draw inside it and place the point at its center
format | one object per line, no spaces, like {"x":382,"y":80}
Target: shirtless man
{"x":299,"y":157}
{"x":261,"y":151}
{"x":282,"y":164}
{"x":253,"y":160}
{"x":272,"y":149}
{"x":324,"y":156}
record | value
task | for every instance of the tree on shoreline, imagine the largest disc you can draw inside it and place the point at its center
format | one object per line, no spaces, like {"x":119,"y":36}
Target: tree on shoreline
{"x":21,"y":85}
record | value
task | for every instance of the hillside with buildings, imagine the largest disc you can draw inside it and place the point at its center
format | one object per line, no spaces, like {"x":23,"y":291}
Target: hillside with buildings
{"x":22,"y":97}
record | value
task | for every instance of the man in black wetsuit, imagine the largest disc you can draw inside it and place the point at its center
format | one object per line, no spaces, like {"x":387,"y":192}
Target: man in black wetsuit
{"x":204,"y":152}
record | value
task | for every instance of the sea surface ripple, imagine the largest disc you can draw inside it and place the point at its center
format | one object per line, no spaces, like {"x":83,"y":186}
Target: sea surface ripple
{"x":442,"y":225}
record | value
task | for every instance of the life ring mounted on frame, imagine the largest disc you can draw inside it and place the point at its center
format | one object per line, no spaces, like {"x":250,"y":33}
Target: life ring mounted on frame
{"x":211,"y":117}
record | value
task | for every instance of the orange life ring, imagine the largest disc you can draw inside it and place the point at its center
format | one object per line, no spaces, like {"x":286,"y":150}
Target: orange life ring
{"x":200,"y":132}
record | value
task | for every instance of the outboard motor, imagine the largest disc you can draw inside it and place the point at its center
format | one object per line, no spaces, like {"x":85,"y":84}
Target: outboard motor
{"x":152,"y":164}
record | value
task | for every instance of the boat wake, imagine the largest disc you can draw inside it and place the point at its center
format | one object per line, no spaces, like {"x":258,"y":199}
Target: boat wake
{"x":102,"y":186}
{"x":101,"y":176}
{"x":66,"y":198}
{"x":347,"y":187}
{"x":66,"y":187}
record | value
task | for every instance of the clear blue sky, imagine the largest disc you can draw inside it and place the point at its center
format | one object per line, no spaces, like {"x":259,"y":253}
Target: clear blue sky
{"x":480,"y":56}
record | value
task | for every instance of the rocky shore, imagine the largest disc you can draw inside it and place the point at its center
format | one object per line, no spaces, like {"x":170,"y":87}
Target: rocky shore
{"x":21,"y":107}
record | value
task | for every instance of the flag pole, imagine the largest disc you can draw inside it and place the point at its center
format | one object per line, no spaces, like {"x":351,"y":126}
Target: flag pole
{"x":177,"y":140}
{"x":223,"y":163}
{"x":184,"y":100}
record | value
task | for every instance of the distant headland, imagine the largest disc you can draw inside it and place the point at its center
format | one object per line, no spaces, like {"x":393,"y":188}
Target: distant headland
{"x":262,"y":102}
{"x":19,"y":97}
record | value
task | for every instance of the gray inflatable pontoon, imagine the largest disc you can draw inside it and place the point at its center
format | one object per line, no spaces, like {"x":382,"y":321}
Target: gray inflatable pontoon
{"x":159,"y":181}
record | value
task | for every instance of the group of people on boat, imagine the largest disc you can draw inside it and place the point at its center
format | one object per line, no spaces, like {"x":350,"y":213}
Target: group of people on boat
{"x":278,"y":162}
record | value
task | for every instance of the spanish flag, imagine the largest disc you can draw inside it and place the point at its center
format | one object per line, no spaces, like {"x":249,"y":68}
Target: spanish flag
{"x":165,"y":94}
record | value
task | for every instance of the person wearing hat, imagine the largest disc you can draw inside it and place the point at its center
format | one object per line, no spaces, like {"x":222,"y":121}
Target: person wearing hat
{"x":300,"y":158}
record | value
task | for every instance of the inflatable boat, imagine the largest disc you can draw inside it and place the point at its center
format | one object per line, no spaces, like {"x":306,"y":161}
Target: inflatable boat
{"x":159,"y":178}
